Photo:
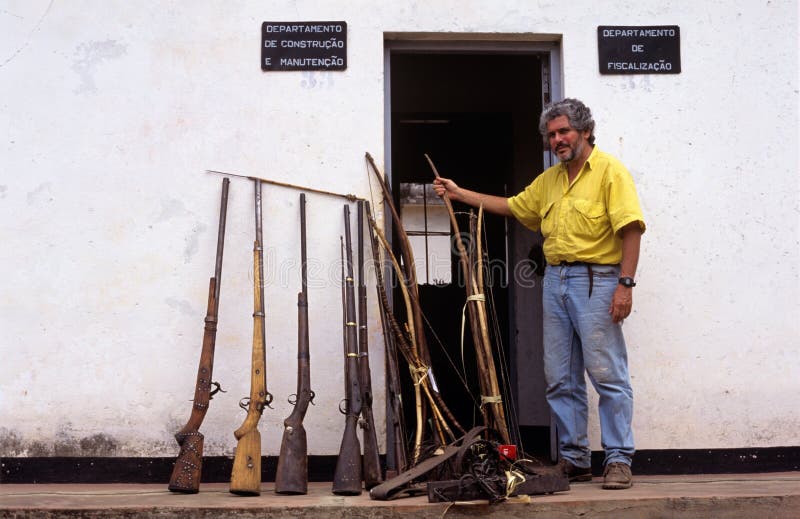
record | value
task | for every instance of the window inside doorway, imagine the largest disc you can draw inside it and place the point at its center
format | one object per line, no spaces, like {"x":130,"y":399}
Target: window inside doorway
{"x":427,"y":224}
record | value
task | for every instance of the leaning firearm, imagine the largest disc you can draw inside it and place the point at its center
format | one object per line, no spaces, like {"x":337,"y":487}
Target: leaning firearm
{"x":292,"y":474}
{"x":371,"y":461}
{"x":246,"y":473}
{"x":397,"y":455}
{"x":186,"y":473}
{"x":347,"y":477}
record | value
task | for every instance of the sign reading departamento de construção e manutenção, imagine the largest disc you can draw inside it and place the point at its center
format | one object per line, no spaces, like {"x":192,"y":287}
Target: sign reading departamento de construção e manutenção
{"x":303,"y":46}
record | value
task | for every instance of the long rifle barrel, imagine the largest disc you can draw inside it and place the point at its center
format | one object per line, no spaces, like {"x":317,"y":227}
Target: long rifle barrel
{"x":350,"y":197}
{"x":303,"y":250}
{"x":354,"y":390}
{"x":260,"y":285}
{"x":371,"y":459}
{"x":360,"y":241}
{"x":223,"y":212}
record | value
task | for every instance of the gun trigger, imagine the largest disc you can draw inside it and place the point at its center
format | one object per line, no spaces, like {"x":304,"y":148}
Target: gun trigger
{"x":292,"y":399}
{"x":268,"y":399}
{"x":217,"y":389}
{"x":311,"y":396}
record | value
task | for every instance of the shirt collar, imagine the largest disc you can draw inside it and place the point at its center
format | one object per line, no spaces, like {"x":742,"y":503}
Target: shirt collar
{"x":592,"y":157}
{"x":590,"y":160}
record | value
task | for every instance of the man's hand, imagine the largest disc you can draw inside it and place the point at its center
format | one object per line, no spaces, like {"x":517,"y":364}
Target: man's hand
{"x":621,"y":303}
{"x":445,"y":186}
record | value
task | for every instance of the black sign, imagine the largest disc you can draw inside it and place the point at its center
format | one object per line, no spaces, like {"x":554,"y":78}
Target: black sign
{"x":639,"y":50}
{"x":303,"y":46}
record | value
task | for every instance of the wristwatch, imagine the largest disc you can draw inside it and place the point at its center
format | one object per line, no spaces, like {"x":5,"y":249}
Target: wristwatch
{"x":627,"y":282}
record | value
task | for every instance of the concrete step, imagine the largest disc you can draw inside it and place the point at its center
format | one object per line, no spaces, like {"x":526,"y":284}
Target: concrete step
{"x":766,"y":495}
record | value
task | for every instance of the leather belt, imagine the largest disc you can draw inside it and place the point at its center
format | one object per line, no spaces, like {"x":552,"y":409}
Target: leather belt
{"x":588,"y":268}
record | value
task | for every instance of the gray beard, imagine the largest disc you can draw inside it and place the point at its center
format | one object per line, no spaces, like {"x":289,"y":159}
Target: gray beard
{"x":573,"y":153}
{"x":569,"y":157}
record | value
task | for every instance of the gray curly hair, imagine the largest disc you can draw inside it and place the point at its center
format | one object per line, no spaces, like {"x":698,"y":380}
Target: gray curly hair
{"x":578,"y":115}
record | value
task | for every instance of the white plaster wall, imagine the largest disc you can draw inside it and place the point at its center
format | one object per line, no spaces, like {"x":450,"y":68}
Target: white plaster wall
{"x":111,"y":112}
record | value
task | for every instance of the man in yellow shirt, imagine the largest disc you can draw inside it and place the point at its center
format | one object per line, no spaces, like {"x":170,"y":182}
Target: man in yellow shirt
{"x":588,"y":212}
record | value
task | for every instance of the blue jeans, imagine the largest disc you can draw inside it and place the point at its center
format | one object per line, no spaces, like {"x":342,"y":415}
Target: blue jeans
{"x":580,"y":335}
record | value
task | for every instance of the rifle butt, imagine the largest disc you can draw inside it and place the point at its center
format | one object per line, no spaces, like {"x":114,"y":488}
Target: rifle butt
{"x":186,"y":471}
{"x":371,"y":458}
{"x":246,"y":473}
{"x":291,"y":476}
{"x":347,"y":477}
{"x":185,"y":477}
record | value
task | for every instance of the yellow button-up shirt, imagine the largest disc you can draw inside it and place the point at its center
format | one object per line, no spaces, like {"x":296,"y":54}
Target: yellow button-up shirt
{"x":580,"y":221}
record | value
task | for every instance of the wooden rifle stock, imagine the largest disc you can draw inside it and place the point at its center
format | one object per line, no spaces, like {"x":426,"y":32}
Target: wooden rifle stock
{"x":371,"y":459}
{"x":186,"y":472}
{"x":246,"y":473}
{"x":292,"y":473}
{"x":347,"y":477}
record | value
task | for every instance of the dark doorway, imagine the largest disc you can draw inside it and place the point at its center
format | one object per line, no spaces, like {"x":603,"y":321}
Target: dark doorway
{"x":476,"y":116}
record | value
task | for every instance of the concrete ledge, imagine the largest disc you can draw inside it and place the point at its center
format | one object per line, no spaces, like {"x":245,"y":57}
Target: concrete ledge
{"x":774,"y":495}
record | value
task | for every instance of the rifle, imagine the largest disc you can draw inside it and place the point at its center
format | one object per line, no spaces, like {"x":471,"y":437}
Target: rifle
{"x":246,"y":473}
{"x":292,"y":474}
{"x":186,"y":472}
{"x":395,"y":429}
{"x":371,"y":460}
{"x":347,"y":477}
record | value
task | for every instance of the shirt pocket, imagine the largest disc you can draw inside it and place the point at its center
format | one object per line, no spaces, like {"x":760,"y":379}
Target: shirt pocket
{"x":548,"y":219}
{"x":589,"y":220}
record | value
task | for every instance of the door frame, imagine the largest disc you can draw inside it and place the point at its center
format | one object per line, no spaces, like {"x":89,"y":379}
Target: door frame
{"x":547,"y":46}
